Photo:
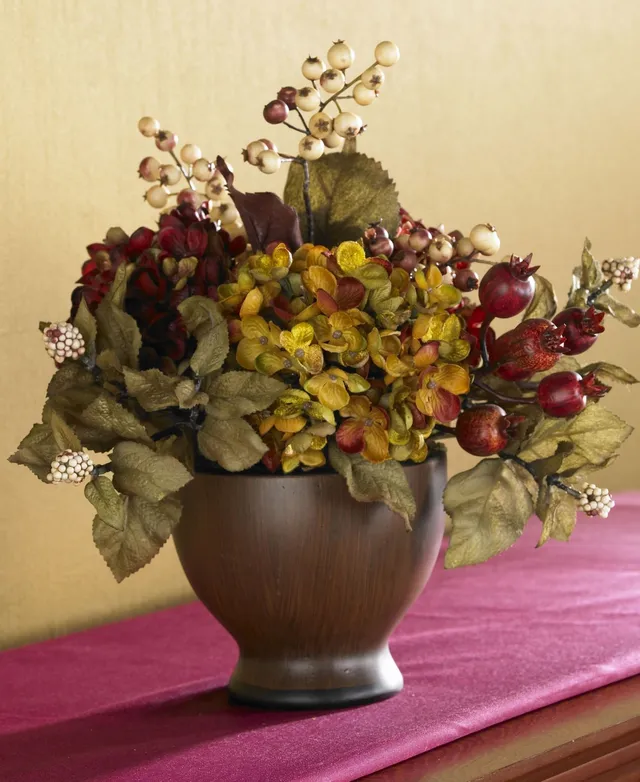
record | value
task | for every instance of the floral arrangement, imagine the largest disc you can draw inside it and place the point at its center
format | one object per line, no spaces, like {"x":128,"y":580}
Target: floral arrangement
{"x":328,"y":330}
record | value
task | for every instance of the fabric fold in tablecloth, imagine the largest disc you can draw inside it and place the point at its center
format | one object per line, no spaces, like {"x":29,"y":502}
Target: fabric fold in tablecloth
{"x":143,"y":700}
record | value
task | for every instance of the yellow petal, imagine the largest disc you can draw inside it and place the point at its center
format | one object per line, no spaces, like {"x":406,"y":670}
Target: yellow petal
{"x":455,"y":351}
{"x":289,"y":463}
{"x":245,"y":281}
{"x":322,"y":327}
{"x":316,"y":256}
{"x":450,"y":329}
{"x":281,"y":255}
{"x":340,"y":321}
{"x":316,"y":277}
{"x":350,"y":256}
{"x":333,"y":395}
{"x":399,"y":278}
{"x":266,"y":424}
{"x":433,"y":276}
{"x":453,"y":378}
{"x":254,"y":327}
{"x":313,"y":458}
{"x":314,"y":384}
{"x":290,"y":425}
{"x":397,"y":367}
{"x":356,"y":383}
{"x":270,"y":361}
{"x":252,"y":303}
{"x":358,"y":407}
{"x":302,"y":334}
{"x":248,"y":351}
{"x":376,"y":444}
{"x":308,"y":313}
{"x":313,"y":360}
{"x":446,"y":296}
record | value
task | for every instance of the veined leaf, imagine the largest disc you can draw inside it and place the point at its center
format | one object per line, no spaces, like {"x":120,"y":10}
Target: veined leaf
{"x":618,"y":310}
{"x":544,"y":303}
{"x":137,"y":470}
{"x":152,"y":388}
{"x":104,"y":422}
{"x":233,"y":444}
{"x":610,"y":374}
{"x":37,"y":450}
{"x":235,"y":394}
{"x":119,"y":332}
{"x":204,"y":320}
{"x":557,"y":511}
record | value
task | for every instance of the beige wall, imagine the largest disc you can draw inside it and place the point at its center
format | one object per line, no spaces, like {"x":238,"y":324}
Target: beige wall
{"x":521,"y":112}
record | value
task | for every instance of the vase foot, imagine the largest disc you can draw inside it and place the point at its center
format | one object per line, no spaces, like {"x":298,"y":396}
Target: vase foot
{"x":329,"y":683}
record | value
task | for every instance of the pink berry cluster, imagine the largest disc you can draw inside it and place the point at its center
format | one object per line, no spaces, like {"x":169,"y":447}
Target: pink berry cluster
{"x":622,"y":271}
{"x":63,"y":340}
{"x":329,"y":124}
{"x":70,"y":467}
{"x":194,"y":171}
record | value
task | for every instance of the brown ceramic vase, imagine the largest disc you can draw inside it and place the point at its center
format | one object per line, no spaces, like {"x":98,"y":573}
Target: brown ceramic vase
{"x":309,"y":582}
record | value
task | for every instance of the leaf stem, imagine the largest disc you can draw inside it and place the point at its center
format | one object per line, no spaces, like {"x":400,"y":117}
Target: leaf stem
{"x":306,"y":182}
{"x":518,"y":460}
{"x":598,"y":292}
{"x":514,"y":400}
{"x":554,"y":480}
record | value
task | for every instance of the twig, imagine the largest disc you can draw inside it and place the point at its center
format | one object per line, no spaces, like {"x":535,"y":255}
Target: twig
{"x":307,"y":200}
{"x":293,"y":127}
{"x":598,"y":292}
{"x":504,"y":397}
{"x":182,"y":169}
{"x":518,"y":460}
{"x":303,"y":120}
{"x":554,"y":480}
{"x":336,"y":97}
{"x":442,"y":432}
{"x":483,"y":340}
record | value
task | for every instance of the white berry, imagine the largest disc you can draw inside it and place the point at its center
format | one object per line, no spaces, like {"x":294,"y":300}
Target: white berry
{"x":63,"y":340}
{"x":341,"y":55}
{"x":347,"y":124}
{"x":310,"y":148}
{"x":148,"y":126}
{"x":70,"y":467}
{"x":149,"y":169}
{"x":169,"y":174}
{"x":228,"y":214}
{"x":202,"y":170}
{"x":373,"y":78}
{"x":321,"y":125}
{"x":312,"y":68}
{"x":253,"y":150}
{"x":440,"y":250}
{"x":166,"y":140}
{"x":485,"y":239}
{"x":269,"y":161}
{"x":387,"y":53}
{"x":332,"y":80}
{"x":308,"y":99}
{"x":333,"y":141}
{"x":362,"y":95}
{"x":595,"y":501}
{"x":464,"y":247}
{"x":157,"y":196}
{"x":190,"y":153}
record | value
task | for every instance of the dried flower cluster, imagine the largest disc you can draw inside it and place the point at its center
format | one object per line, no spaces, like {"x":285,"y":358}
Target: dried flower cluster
{"x":328,"y":330}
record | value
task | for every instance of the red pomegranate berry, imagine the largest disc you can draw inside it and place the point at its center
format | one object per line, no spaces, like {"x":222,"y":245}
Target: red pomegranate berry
{"x":533,"y":346}
{"x":563,"y":394}
{"x":288,"y":95}
{"x":582,"y":327}
{"x":140,"y":240}
{"x":507,"y":288}
{"x":275,"y":112}
{"x":406,"y":259}
{"x":484,"y":430}
{"x":465,"y":280}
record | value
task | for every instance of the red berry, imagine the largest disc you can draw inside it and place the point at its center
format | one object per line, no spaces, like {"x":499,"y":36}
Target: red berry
{"x":406,"y":259}
{"x":483,"y":430}
{"x":465,"y":280}
{"x":533,"y":346}
{"x":288,"y":95}
{"x":140,"y":240}
{"x":275,"y":112}
{"x":381,"y":245}
{"x":563,"y":394}
{"x":507,"y":288}
{"x":581,"y":328}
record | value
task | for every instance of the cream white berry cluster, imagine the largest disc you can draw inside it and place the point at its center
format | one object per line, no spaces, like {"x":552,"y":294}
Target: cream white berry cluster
{"x":70,"y":467}
{"x":63,"y":340}
{"x":194,"y":171}
{"x":326,"y":93}
{"x":623,"y":271}
{"x":595,"y":501}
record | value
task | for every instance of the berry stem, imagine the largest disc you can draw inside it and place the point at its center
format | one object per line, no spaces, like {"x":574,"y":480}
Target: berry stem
{"x":303,"y":120}
{"x":483,"y":340}
{"x":335,"y":98}
{"x":598,"y":292}
{"x":514,"y":400}
{"x":554,"y":480}
{"x":293,"y":127}
{"x":306,"y":182}
{"x":182,"y":169}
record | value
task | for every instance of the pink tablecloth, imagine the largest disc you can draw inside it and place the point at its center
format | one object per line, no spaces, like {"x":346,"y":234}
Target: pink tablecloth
{"x":143,"y":700}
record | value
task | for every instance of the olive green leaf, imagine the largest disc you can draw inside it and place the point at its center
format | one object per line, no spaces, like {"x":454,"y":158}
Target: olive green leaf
{"x":618,"y":310}
{"x":234,"y":394}
{"x":110,"y":365}
{"x":203,"y":319}
{"x":610,"y":374}
{"x":189,"y":395}
{"x":119,"y":332}
{"x":372,"y":276}
{"x":596,"y":434}
{"x":564,"y":364}
{"x":489,"y":506}
{"x":347,"y":193}
{"x":544,"y":303}
{"x":37,"y":450}
{"x":63,"y":434}
{"x":118,"y":290}
{"x":367,"y":482}
{"x":551,"y":464}
{"x":590,"y":274}
{"x":86,"y":325}
{"x":140,"y":471}
{"x":233,"y":444}
{"x":71,"y":376}
{"x":557,"y":511}
{"x":129,"y":531}
{"x":152,"y":388}
{"x":104,"y":422}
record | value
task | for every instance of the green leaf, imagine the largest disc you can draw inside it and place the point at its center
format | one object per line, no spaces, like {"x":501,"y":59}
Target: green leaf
{"x":109,"y":504}
{"x":372,"y":276}
{"x":118,"y":289}
{"x":233,"y":444}
{"x":618,"y":310}
{"x":203,"y":319}
{"x":70,"y":376}
{"x":551,"y":464}
{"x":544,"y":303}
{"x":610,"y":374}
{"x":234,"y":394}
{"x":152,"y":388}
{"x":489,"y":506}
{"x":63,"y":434}
{"x":590,"y":274}
{"x":37,"y":450}
{"x":110,"y":365}
{"x":557,"y":511}
{"x":104,"y":422}
{"x":367,"y":482}
{"x":187,"y":395}
{"x":347,"y":193}
{"x":86,"y":324}
{"x":138,"y":470}
{"x":119,"y":332}
{"x":134,"y":532}
{"x":596,"y":434}
{"x":564,"y":364}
